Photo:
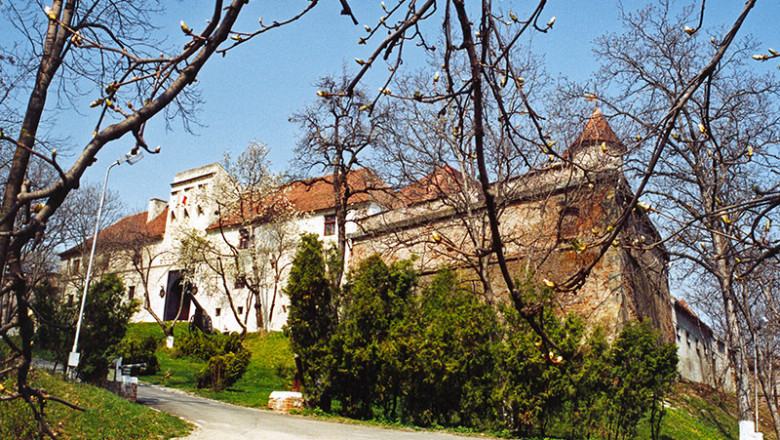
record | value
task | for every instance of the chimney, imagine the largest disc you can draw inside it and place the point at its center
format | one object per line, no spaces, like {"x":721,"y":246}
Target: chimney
{"x":156,"y":206}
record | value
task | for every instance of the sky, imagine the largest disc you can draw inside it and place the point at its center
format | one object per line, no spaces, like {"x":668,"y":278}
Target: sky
{"x":250,"y":93}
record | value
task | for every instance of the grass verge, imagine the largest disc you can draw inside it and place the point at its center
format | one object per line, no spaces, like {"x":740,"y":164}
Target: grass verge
{"x":106,"y":417}
{"x":270,"y":368}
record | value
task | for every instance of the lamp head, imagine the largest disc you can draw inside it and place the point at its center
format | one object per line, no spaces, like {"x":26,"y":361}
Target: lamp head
{"x":131,"y":158}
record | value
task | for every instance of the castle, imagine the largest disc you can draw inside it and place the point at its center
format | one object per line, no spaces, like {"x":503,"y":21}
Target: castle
{"x":553,"y":221}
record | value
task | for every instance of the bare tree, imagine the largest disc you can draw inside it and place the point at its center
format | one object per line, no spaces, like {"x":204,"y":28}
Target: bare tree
{"x":256,"y":227}
{"x":103,"y":49}
{"x":207,"y":262}
{"x":73,"y":226}
{"x":274,"y":241}
{"x":432,"y":159}
{"x":139,"y":249}
{"x":339,"y":133}
{"x":709,"y":187}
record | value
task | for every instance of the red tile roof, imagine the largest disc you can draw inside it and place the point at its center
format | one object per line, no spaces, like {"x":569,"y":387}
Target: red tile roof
{"x":312,"y":195}
{"x":316,"y":194}
{"x":596,"y":131}
{"x":128,"y":228}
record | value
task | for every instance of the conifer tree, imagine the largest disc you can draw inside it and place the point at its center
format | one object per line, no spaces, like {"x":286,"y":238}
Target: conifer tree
{"x":312,"y":318}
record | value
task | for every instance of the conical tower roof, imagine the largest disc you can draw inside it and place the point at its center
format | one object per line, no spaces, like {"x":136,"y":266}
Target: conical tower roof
{"x":596,"y":132}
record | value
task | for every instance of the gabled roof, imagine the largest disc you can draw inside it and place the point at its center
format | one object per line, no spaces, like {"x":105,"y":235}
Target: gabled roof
{"x":129,"y":228}
{"x":310,"y":195}
{"x":316,"y":194}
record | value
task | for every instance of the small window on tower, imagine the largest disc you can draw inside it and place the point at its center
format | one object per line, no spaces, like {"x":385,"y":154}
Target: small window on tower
{"x":131,"y":292}
{"x":330,"y":225}
{"x":570,"y":222}
{"x":217,"y":311}
{"x":243,"y":241}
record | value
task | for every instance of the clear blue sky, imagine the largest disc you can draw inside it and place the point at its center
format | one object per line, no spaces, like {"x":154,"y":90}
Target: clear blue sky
{"x":250,"y":93}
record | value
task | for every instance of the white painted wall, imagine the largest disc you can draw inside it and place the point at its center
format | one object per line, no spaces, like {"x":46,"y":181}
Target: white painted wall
{"x":196,"y":212}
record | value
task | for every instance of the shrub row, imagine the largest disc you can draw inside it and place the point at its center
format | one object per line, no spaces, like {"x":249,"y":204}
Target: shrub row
{"x":436,"y":355}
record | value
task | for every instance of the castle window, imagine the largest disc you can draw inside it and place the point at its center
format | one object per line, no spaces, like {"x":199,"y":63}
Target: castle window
{"x":240,"y":310}
{"x":131,"y":292}
{"x":243,"y":241}
{"x":75,"y":264}
{"x":217,"y":311}
{"x":240,"y":282}
{"x":330,"y":225}
{"x":570,"y":222}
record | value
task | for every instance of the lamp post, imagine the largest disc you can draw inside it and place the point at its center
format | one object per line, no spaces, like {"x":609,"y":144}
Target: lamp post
{"x":73,"y":358}
{"x":761,"y":323}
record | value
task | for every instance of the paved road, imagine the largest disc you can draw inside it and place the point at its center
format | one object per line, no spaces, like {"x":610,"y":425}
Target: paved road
{"x":222,"y":421}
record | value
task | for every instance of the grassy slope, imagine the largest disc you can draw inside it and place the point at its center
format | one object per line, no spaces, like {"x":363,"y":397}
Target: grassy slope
{"x":270,"y":368}
{"x":697,"y":412}
{"x":106,"y":417}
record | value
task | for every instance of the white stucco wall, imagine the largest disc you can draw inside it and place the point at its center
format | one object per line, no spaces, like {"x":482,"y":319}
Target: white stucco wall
{"x":191,"y":207}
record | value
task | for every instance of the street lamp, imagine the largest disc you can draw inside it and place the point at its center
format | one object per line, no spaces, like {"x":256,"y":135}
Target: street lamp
{"x":73,"y":358}
{"x":761,"y":322}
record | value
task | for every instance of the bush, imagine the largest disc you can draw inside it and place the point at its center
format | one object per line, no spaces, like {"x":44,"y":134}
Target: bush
{"x":224,"y":370}
{"x":374,"y":300}
{"x":138,"y":351}
{"x":199,"y":345}
{"x":642,"y":369}
{"x":226,"y":357}
{"x":104,"y":324}
{"x":446,"y":348}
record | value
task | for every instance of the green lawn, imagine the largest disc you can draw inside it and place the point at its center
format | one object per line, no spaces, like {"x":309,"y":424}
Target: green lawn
{"x":106,"y":417}
{"x":270,"y":368}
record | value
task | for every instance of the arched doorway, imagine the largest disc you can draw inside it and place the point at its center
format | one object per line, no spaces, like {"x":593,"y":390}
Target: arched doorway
{"x":178,"y":296}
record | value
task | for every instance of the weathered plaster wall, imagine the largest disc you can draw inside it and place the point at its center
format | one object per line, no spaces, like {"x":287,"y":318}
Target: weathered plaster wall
{"x":552,"y":228}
